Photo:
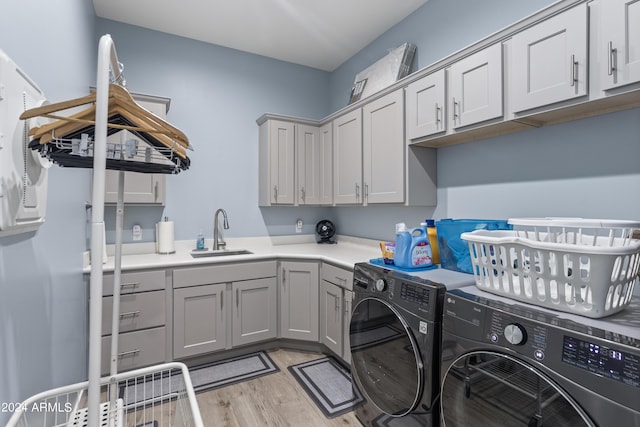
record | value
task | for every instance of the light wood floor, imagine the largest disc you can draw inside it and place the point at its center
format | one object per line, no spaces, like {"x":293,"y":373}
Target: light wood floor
{"x":272,"y":400}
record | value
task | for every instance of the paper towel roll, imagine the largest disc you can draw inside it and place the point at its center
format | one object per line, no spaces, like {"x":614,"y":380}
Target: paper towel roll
{"x":164,"y":237}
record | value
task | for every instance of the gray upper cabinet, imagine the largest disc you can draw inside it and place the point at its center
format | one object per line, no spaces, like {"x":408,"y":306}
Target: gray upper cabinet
{"x":426,"y":106}
{"x":618,"y":48}
{"x":314,"y":164}
{"x":347,"y":158}
{"x":295,"y":163}
{"x":548,"y":62}
{"x":383,"y":160}
{"x":276,"y":163}
{"x":475,"y":88}
{"x":139,"y":188}
{"x":325,"y":160}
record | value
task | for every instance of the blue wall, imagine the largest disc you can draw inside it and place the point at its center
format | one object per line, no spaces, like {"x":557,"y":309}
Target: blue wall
{"x":216,"y":95}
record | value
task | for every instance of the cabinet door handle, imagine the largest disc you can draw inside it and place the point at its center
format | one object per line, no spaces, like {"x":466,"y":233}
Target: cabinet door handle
{"x":155,"y":192}
{"x":128,"y":353}
{"x":275,"y":193}
{"x":456,"y":106}
{"x":366,"y":191}
{"x":237,"y":298}
{"x":357,"y":191}
{"x":611,"y":59}
{"x":130,"y":314}
{"x":438,"y":113}
{"x":303,"y":194}
{"x":283,"y":280}
{"x":574,"y":73}
{"x":221,"y":300}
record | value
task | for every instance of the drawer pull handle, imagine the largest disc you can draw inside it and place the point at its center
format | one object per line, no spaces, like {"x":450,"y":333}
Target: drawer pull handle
{"x":128,"y":353}
{"x":130,"y":314}
{"x":129,"y":285}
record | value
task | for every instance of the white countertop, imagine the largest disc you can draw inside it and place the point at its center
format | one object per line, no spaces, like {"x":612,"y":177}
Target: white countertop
{"x":347,"y":252}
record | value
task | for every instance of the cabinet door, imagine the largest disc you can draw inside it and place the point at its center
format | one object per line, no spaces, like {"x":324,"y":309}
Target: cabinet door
{"x":139,"y":188}
{"x":425,"y":106}
{"x":620,"y":42}
{"x":281,"y":162}
{"x":199,"y":321}
{"x":331,"y":317}
{"x":299,"y":300}
{"x":548,"y":62}
{"x":346,"y":342}
{"x":308,"y":164}
{"x":347,"y":158}
{"x":383,"y":149}
{"x":476,"y":87}
{"x":325,"y":192}
{"x":276,"y":163}
{"x":254,"y":310}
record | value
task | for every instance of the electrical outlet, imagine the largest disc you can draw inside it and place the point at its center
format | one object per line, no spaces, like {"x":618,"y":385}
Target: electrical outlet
{"x":299,"y":226}
{"x":137,"y":232}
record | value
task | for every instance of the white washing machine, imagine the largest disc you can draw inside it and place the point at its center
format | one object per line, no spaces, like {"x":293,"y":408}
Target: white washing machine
{"x":510,"y":364}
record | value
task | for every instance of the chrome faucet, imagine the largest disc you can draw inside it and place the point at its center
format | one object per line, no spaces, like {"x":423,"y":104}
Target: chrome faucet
{"x":219,"y":243}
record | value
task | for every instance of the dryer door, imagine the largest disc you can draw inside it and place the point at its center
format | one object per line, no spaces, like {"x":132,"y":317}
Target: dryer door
{"x":485,"y":388}
{"x":385,"y":359}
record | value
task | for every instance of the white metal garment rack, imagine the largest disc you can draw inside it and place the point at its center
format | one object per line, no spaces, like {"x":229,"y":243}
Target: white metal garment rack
{"x":160,"y":395}
{"x":107,"y":63}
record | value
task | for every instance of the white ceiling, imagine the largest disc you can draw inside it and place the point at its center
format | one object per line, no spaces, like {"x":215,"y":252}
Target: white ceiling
{"x":317,"y":33}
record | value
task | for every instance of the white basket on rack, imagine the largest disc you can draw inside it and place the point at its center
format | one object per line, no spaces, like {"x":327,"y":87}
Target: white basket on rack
{"x":580,"y":266}
{"x":160,"y":396}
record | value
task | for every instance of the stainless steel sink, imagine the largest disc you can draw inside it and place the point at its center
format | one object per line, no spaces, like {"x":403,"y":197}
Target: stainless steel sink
{"x":223,"y":252}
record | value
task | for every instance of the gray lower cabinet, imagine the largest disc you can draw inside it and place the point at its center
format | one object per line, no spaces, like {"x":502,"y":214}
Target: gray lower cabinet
{"x":199,"y":320}
{"x":142,"y":318}
{"x":331,"y":316}
{"x":335,"y":309}
{"x":346,"y":341}
{"x":299,"y":287}
{"x":255,"y":314}
{"x":216,"y":307}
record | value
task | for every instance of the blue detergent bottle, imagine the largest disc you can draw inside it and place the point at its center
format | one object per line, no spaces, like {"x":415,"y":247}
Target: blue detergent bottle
{"x":403,"y":242}
{"x":414,"y":248}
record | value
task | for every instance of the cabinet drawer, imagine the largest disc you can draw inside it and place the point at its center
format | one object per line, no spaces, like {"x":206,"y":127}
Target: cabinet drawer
{"x":137,"y":281}
{"x":223,"y":273}
{"x":338,"y":276}
{"x":137,"y":311}
{"x":136,"y":349}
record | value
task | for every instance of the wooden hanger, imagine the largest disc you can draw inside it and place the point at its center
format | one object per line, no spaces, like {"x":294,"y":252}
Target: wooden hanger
{"x":58,"y":106}
{"x":120,"y":102}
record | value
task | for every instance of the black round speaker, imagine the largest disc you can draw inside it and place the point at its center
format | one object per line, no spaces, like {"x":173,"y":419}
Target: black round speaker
{"x":325,"y":230}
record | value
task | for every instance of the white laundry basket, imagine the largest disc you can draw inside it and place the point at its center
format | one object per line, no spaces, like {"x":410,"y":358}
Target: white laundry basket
{"x":580,"y":266}
{"x":157,"y":396}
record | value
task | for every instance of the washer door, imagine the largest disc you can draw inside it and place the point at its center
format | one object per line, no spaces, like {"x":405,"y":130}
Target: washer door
{"x":485,"y":388}
{"x":385,"y":359}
